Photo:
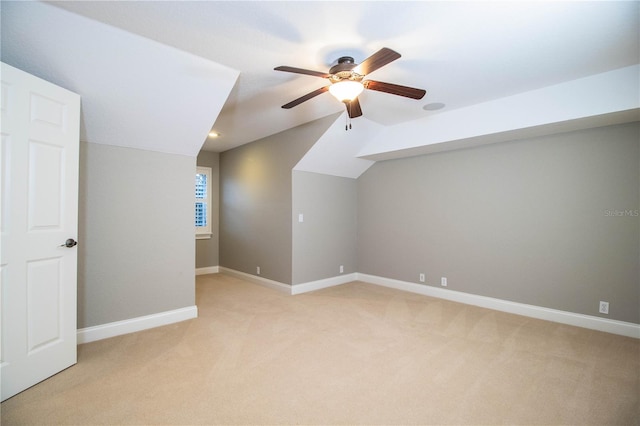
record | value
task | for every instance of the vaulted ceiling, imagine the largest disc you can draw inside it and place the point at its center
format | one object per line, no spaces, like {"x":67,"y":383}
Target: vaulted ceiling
{"x":180,"y":68}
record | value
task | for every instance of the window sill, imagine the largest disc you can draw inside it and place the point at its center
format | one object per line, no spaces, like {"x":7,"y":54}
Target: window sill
{"x":203,"y":236}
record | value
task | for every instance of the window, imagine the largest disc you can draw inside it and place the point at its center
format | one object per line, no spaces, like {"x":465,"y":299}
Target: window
{"x":203,"y":202}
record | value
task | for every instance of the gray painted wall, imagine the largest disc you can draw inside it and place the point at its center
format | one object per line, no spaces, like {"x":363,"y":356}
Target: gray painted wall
{"x":207,"y":249}
{"x":327,"y":236}
{"x":136,"y":250}
{"x":255,"y":201}
{"x":532,"y":221}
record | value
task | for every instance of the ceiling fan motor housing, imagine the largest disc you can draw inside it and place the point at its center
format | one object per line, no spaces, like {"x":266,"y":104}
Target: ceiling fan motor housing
{"x":343,"y":70}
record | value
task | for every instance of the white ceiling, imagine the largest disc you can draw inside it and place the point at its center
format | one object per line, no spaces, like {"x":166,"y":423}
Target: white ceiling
{"x":464,"y":54}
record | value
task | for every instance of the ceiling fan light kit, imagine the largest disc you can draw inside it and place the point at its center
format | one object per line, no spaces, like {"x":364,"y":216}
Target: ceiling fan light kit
{"x":347,"y":81}
{"x":346,"y":90}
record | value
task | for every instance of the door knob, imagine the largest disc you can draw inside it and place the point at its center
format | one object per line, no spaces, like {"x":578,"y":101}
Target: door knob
{"x":69,"y":243}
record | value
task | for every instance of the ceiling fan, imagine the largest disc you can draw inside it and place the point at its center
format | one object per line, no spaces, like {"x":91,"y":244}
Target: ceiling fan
{"x":347,"y":81}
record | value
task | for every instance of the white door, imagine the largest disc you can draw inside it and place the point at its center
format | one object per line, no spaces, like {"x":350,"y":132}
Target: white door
{"x":39,"y":182}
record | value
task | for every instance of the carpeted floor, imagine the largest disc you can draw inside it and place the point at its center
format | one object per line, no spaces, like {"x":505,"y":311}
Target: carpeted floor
{"x":353,"y":354}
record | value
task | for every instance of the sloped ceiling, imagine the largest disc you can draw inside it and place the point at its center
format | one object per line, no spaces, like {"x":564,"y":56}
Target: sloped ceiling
{"x":135,"y":92}
{"x":608,"y":98}
{"x":476,"y":58}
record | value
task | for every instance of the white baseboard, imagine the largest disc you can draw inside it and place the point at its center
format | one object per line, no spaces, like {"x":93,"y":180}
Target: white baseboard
{"x":328,"y":282}
{"x":112,"y":329}
{"x":256,"y":279}
{"x":207,"y":270}
{"x":291,"y":289}
{"x":580,"y":320}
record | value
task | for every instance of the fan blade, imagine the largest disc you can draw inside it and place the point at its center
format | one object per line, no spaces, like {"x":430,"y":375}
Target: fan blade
{"x":379,"y":59}
{"x":394,"y":89}
{"x":302,"y":71}
{"x":306,"y":97}
{"x":353,"y":108}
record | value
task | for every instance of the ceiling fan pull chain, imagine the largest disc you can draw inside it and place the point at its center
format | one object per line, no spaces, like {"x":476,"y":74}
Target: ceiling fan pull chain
{"x":350,"y":114}
{"x":346,"y":119}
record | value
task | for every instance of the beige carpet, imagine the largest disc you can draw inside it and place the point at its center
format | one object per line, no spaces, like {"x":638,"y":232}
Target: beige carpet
{"x":353,"y":354}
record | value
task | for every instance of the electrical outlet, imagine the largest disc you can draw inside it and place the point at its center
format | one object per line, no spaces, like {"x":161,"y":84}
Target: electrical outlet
{"x":342,"y":269}
{"x":604,"y":307}
{"x":421,"y":278}
{"x":443,"y":281}
{"x":258,"y":270}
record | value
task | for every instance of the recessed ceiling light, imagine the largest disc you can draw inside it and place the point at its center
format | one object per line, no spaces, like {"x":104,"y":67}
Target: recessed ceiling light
{"x":214,"y":134}
{"x":434,"y":106}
